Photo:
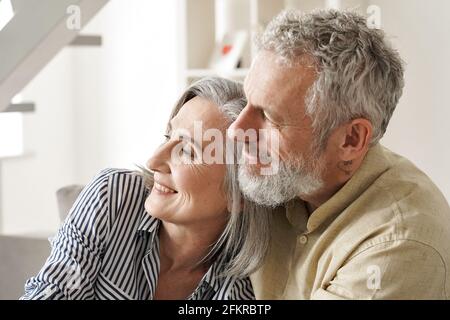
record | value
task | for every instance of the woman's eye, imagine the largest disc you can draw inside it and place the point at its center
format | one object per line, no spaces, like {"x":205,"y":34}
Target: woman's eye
{"x":188,"y":152}
{"x":166,"y":137}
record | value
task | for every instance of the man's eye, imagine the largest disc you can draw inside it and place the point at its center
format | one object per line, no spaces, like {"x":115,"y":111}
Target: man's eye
{"x":268,"y":118}
{"x":263,"y":114}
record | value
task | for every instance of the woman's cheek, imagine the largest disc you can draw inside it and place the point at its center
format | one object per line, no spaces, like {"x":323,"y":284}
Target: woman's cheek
{"x":199,"y":180}
{"x":185,"y":179}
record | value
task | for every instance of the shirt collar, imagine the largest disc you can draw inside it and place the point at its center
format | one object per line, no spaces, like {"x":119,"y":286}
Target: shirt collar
{"x":148,"y":228}
{"x":213,"y":278}
{"x":374,"y":164}
{"x":211,"y":282}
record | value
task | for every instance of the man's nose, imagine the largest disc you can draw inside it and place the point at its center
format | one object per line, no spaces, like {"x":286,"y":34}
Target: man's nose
{"x":247,"y":120}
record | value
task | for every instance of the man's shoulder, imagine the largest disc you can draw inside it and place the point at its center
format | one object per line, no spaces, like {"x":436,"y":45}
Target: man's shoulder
{"x":403,"y":178}
{"x":409,"y":195}
{"x":403,"y":203}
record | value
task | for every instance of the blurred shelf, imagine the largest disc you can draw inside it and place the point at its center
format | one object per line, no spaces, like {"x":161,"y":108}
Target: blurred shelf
{"x":20,"y":107}
{"x":86,"y":41}
{"x":20,"y":156}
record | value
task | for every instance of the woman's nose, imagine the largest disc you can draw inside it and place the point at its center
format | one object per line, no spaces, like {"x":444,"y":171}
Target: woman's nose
{"x":159,"y":161}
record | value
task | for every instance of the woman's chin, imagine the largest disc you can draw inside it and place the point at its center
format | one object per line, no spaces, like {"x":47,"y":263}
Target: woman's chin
{"x":155,"y":205}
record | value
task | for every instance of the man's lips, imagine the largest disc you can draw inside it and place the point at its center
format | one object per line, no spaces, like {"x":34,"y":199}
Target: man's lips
{"x":250,"y":158}
{"x":260,"y":157}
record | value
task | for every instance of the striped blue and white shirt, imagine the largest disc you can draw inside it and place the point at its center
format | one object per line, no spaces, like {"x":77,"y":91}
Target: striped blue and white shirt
{"x":108,"y":248}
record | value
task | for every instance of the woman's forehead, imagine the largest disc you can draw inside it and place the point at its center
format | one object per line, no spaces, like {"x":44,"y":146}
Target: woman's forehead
{"x":199,"y":111}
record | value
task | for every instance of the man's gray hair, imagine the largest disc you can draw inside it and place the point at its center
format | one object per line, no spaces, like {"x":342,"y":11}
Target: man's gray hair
{"x":245,"y":240}
{"x":359,"y":74}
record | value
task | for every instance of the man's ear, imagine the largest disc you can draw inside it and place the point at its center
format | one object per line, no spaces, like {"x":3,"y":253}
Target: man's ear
{"x":356,"y":138}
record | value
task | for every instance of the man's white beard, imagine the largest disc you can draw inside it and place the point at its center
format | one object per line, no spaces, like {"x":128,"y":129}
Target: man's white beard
{"x":293,"y":179}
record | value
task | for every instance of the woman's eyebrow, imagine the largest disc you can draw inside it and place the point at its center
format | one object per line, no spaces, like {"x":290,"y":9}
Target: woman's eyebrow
{"x":190,"y":139}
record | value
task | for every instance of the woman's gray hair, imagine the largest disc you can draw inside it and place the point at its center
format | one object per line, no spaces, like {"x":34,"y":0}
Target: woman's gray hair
{"x":359,"y":74}
{"x":245,"y":239}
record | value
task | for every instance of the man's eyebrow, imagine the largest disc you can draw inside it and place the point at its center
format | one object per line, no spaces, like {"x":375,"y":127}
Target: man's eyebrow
{"x":258,"y":107}
{"x":268,"y":111}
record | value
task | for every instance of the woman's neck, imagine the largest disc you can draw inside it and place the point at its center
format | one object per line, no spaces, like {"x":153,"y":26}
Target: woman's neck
{"x":182,"y":247}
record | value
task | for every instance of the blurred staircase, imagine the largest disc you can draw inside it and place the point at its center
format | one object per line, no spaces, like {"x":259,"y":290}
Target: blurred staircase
{"x":37,"y":31}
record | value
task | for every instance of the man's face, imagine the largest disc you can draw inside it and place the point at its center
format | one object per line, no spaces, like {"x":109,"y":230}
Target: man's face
{"x":276,"y":101}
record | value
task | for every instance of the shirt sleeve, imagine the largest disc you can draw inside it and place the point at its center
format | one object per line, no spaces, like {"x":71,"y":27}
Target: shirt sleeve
{"x":75,"y":259}
{"x":399,"y":269}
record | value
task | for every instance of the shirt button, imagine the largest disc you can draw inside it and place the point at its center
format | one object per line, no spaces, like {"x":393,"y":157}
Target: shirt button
{"x":303,"y":239}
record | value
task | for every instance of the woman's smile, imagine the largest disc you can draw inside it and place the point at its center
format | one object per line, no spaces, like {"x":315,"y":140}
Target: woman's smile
{"x":162,"y":189}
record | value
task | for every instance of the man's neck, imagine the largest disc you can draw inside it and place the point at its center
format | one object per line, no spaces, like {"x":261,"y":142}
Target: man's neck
{"x":333,"y":181}
{"x":316,"y":200}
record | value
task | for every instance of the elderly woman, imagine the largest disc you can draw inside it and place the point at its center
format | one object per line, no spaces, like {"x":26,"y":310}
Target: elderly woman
{"x":179,"y":230}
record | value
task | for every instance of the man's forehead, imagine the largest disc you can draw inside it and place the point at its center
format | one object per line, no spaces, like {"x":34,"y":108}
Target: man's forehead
{"x":270,"y":78}
{"x":269,"y":93}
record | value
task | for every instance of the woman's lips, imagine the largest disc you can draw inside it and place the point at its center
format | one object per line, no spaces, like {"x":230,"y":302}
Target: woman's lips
{"x":163,"y":189}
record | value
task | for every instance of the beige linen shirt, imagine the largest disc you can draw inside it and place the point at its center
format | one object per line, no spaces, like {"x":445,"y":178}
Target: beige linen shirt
{"x":384,"y":235}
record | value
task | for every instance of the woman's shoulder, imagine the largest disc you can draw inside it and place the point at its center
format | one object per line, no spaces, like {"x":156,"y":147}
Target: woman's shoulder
{"x":115,"y":195}
{"x":121,"y":184}
{"x":114,"y":187}
{"x":125,"y":180}
{"x":111,"y":172}
{"x":109,"y":188}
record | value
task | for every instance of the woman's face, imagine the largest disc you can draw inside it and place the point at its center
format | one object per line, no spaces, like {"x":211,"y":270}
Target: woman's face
{"x":187,"y":190}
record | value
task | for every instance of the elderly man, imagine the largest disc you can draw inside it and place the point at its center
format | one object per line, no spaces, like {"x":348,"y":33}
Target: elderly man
{"x":353,"y":220}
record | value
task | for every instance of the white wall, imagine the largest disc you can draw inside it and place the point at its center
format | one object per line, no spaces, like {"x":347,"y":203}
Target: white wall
{"x":420,"y":127}
{"x":126,"y":89}
{"x":96,"y":108}
{"x":29,"y":183}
